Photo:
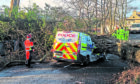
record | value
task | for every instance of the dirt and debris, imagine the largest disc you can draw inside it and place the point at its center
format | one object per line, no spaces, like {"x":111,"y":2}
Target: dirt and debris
{"x":130,"y":76}
{"x":127,"y":50}
{"x":105,"y":43}
{"x":131,"y":52}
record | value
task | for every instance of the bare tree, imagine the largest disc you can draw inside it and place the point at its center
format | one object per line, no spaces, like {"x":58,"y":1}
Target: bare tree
{"x":111,"y":12}
{"x":96,"y":13}
{"x":85,"y":10}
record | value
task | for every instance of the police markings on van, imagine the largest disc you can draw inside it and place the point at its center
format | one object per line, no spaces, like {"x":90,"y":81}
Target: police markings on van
{"x":74,"y":47}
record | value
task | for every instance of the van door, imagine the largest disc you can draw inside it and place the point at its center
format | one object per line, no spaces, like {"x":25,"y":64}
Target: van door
{"x":89,"y":45}
{"x":83,"y":50}
{"x":71,"y":46}
{"x":67,"y":45}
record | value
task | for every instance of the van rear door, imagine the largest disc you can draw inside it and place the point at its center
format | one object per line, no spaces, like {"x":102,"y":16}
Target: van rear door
{"x":67,"y":44}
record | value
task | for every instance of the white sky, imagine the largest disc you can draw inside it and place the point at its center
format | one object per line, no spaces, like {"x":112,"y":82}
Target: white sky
{"x":41,"y":3}
{"x":25,"y":3}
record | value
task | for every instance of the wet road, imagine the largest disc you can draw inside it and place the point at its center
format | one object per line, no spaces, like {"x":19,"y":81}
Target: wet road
{"x":134,"y":37}
{"x":63,"y":73}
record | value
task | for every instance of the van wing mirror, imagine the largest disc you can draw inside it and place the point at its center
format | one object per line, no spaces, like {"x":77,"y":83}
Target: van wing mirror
{"x":93,"y":43}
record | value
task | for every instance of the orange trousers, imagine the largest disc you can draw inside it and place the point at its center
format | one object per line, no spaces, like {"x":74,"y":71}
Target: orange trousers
{"x":27,"y":55}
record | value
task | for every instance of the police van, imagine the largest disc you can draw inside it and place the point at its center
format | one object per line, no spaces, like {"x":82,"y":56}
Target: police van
{"x":74,"y":47}
{"x":134,"y":28}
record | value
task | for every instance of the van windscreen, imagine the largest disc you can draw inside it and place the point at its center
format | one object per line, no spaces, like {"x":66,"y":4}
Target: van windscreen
{"x":66,"y":37}
{"x":135,"y":25}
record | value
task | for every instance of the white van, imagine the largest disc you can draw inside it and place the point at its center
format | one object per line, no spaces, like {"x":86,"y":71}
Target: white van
{"x":134,"y":28}
{"x":74,"y":47}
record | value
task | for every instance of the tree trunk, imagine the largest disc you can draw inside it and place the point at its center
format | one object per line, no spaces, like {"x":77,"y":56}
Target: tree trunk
{"x":110,"y":16}
{"x":102,"y":27}
{"x":122,"y":15}
{"x":125,"y":13}
{"x":96,"y":15}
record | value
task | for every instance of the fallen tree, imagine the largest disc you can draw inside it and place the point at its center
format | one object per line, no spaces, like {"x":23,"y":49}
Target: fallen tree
{"x":105,"y":43}
{"x":126,"y":50}
{"x":131,"y":51}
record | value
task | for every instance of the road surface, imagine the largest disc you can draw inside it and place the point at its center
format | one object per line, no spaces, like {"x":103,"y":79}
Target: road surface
{"x":64,"y":73}
{"x":134,"y":37}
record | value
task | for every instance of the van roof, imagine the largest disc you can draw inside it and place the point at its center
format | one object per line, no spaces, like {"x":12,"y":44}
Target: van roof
{"x":71,"y":32}
{"x":67,"y":31}
{"x":136,"y":23}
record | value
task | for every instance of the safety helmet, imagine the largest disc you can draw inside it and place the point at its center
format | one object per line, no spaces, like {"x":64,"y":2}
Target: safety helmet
{"x":27,"y":36}
{"x":30,"y":35}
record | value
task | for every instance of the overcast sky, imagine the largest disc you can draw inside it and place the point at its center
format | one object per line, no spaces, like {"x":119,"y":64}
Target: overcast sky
{"x":25,"y":3}
{"x":41,"y":3}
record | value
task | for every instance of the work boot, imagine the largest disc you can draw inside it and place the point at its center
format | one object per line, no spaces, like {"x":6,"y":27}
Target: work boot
{"x":30,"y":67}
{"x":26,"y":62}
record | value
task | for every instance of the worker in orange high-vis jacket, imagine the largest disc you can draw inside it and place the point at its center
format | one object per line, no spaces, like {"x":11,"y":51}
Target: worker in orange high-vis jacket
{"x":29,"y":49}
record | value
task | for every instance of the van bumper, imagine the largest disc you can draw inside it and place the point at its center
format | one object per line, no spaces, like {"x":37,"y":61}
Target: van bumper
{"x":67,"y":60}
{"x":134,"y":31}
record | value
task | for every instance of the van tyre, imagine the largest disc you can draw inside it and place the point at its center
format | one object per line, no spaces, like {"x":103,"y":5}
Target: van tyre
{"x":86,"y":62}
{"x":60,"y":60}
{"x":103,"y":58}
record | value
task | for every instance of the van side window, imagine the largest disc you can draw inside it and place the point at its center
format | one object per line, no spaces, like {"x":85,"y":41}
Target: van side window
{"x":89,"y":39}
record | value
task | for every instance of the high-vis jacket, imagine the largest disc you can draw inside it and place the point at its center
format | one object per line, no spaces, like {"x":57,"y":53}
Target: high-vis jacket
{"x":27,"y":44}
{"x":28,"y":47}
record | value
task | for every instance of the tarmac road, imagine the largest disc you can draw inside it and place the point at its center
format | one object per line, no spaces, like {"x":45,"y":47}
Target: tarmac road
{"x":64,"y":73}
{"x":134,"y":37}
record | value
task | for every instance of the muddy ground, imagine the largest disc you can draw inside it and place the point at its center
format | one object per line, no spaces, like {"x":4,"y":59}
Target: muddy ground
{"x":100,"y":72}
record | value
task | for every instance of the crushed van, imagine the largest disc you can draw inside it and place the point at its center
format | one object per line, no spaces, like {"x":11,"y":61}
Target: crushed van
{"x":74,"y":47}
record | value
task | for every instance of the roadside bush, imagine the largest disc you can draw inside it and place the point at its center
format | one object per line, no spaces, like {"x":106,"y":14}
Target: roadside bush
{"x":4,"y":29}
{"x":131,"y":76}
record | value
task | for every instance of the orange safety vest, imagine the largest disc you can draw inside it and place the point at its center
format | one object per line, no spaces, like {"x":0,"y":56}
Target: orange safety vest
{"x":27,"y":44}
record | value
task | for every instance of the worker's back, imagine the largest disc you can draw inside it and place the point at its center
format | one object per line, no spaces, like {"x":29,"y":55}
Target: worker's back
{"x":27,"y":44}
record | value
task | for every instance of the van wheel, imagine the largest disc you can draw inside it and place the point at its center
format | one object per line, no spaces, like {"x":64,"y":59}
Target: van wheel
{"x":103,"y":58}
{"x":60,"y":61}
{"x":86,"y":62}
